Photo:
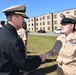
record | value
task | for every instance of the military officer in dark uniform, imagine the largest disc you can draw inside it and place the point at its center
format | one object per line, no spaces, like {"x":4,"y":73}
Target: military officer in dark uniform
{"x":12,"y":55}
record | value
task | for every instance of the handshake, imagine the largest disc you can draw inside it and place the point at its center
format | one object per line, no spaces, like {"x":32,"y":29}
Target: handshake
{"x":55,"y":50}
{"x":46,"y":55}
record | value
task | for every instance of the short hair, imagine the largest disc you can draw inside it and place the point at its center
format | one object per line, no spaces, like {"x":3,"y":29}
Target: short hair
{"x":2,"y":22}
{"x":9,"y":18}
{"x":24,"y":25}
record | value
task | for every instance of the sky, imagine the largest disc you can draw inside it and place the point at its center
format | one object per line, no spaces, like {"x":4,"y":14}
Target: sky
{"x":36,"y":8}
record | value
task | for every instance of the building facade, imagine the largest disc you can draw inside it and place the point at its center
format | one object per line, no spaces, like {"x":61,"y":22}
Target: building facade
{"x":48,"y":22}
{"x":43,"y":22}
{"x":58,"y":16}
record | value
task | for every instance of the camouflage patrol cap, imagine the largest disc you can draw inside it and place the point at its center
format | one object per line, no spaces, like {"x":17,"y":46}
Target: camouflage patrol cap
{"x":19,"y":9}
{"x":68,"y":19}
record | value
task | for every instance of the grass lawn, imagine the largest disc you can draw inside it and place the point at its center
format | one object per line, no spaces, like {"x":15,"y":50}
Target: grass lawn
{"x":38,"y":45}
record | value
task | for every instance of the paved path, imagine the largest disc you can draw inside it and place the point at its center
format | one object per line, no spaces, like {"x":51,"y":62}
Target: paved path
{"x":44,"y":34}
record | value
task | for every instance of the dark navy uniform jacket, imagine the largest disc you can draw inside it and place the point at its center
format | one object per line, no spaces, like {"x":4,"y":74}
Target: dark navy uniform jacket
{"x":12,"y":55}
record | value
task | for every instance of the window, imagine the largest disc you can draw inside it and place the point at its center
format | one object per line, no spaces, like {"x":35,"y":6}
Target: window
{"x":29,"y":28}
{"x":67,"y":12}
{"x":75,"y":12}
{"x":61,"y":15}
{"x":37,"y":28}
{"x":48,"y":17}
{"x":37,"y":19}
{"x":40,"y":18}
{"x":43,"y":23}
{"x":37,"y":24}
{"x":43,"y":28}
{"x":55,"y":16}
{"x":40,"y":23}
{"x":55,"y":27}
{"x":28,"y":21}
{"x":32,"y":24}
{"x":48,"y":22}
{"x":43,"y":18}
{"x":29,"y":25}
{"x":32,"y":28}
{"x":48,"y":28}
{"x":55,"y":22}
{"x":31,"y":20}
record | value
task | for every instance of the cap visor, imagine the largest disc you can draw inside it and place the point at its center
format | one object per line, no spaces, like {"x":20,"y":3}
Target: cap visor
{"x":23,"y":14}
{"x":67,"y":20}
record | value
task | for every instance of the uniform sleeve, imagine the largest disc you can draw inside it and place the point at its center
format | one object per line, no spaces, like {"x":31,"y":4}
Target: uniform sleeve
{"x":17,"y":58}
{"x":57,"y":46}
{"x":24,"y":35}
